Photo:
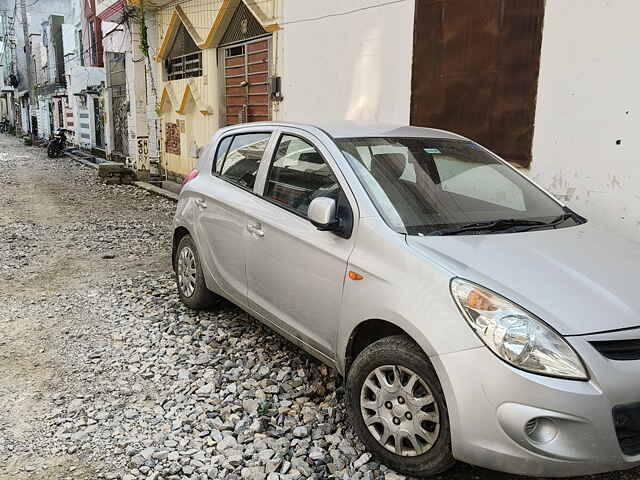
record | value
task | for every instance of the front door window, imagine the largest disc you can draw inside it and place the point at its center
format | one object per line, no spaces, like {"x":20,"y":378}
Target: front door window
{"x":298,"y":175}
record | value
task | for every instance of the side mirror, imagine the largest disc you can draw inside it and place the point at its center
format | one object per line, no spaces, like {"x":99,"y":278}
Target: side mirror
{"x":322,"y":213}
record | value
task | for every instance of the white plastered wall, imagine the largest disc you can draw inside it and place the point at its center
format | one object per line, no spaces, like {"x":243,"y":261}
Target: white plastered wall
{"x":588,"y":100}
{"x":352,"y":65}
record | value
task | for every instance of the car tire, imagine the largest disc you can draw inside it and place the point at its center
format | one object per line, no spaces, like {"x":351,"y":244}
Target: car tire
{"x":399,"y":358}
{"x":192,"y":289}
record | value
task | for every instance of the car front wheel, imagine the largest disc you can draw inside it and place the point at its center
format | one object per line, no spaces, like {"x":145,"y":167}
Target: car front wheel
{"x":192,"y":289}
{"x":398,"y":409}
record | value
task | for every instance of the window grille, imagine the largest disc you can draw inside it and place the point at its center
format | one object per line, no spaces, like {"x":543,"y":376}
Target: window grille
{"x":184,"y":66}
{"x":185,"y":58}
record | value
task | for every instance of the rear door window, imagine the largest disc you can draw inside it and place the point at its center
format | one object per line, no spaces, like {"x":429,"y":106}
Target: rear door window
{"x":240,"y":164}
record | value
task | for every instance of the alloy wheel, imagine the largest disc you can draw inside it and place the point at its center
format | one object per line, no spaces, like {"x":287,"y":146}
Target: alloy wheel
{"x":399,"y":410}
{"x":187,"y":272}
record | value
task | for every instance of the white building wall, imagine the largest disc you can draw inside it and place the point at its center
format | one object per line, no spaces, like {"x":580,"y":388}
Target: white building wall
{"x":44,"y":121}
{"x":83,"y":77}
{"x":24,"y":116}
{"x":79,"y":79}
{"x":588,"y":100}
{"x":154,"y":74}
{"x":349,"y":66}
{"x":83,"y":130}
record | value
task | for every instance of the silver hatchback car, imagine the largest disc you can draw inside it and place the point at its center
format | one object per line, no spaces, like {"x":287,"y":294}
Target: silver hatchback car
{"x":473,"y":315}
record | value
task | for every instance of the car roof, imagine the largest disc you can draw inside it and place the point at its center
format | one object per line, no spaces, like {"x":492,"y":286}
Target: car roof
{"x":347,"y":129}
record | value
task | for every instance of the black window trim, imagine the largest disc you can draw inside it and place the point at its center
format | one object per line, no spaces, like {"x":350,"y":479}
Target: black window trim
{"x":215,"y":155}
{"x":233,"y":135}
{"x":282,"y":133}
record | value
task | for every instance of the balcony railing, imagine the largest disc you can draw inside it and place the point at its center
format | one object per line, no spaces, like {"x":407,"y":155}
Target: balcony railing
{"x":49,"y":88}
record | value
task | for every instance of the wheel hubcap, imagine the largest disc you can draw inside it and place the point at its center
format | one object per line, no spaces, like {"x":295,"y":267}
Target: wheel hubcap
{"x":187,"y":272}
{"x":399,"y":410}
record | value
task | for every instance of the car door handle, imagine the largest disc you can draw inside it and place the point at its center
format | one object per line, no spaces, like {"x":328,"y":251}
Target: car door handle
{"x":255,"y":229}
{"x":201,"y":203}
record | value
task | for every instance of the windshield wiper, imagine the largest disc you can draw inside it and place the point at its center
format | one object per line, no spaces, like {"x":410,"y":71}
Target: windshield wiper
{"x":556,"y":221}
{"x":501,"y":224}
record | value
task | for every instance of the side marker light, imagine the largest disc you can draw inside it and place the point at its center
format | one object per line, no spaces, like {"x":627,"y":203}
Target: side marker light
{"x":355,"y":276}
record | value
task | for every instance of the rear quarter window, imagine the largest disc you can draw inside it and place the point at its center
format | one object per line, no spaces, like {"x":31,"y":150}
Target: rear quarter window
{"x":221,"y":153}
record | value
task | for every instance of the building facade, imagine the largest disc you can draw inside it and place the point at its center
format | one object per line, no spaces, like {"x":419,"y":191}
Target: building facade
{"x":27,"y":108}
{"x":216,"y":61}
{"x":50,"y":87}
{"x":130,"y":98}
{"x":8,"y":80}
{"x":517,"y":77}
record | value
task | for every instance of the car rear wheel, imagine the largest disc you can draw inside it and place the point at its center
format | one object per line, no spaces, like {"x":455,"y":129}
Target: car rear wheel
{"x":192,"y":289}
{"x":398,"y":409}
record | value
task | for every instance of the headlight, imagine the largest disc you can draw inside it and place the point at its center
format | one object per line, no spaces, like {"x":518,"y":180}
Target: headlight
{"x":515,"y":335}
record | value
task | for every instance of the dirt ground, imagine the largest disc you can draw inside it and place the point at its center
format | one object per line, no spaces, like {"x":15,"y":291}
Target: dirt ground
{"x":62,"y":238}
{"x":51,"y":253}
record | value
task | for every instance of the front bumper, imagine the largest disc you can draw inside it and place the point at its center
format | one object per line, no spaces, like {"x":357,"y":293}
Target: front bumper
{"x":492,"y":407}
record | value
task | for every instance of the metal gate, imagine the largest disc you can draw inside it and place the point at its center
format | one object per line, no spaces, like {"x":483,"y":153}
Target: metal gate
{"x":99,"y":123}
{"x":246,"y":81}
{"x":60,"y":114}
{"x":119,"y":103}
{"x":52,"y":129}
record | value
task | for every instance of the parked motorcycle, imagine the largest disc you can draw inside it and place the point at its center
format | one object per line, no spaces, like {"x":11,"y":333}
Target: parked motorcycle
{"x":57,"y":143}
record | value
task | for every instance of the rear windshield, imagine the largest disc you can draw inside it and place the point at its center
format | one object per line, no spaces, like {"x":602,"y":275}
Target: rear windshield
{"x":422,"y":185}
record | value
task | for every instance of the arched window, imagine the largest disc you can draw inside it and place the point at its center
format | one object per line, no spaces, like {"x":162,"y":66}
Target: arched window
{"x":185,"y":58}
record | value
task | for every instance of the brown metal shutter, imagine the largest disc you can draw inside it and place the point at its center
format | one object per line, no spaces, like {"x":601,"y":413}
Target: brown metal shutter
{"x":475,"y":70}
{"x":246,"y":82}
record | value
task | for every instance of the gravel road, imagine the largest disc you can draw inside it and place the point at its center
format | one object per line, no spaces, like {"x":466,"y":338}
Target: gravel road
{"x":103,"y":373}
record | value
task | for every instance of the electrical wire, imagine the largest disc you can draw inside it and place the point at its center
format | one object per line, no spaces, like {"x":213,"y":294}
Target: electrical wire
{"x":10,"y":30}
{"x":340,"y":14}
{"x":167,"y":14}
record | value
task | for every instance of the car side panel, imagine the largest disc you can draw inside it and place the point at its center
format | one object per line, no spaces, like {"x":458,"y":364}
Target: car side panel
{"x":401,"y":288}
{"x":295,"y":272}
{"x":295,"y":275}
{"x":221,"y":230}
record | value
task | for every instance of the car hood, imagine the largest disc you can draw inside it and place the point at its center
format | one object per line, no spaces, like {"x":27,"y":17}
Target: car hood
{"x":577,"y":279}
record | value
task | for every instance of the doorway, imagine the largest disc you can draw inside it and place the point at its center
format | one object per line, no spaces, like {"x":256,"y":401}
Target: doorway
{"x":99,"y":123}
{"x":246,"y":76}
{"x":119,"y":104}
{"x":244,"y":56}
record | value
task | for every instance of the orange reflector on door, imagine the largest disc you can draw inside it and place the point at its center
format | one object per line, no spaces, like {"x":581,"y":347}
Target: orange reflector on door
{"x":355,"y":276}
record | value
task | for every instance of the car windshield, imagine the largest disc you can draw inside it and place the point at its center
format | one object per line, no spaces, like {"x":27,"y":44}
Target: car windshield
{"x":427,"y":186}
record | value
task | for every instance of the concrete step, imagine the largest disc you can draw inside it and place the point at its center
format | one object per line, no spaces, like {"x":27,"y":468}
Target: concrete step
{"x":171,"y":186}
{"x":157,"y":190}
{"x":81,"y":154}
{"x":115,"y":173}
